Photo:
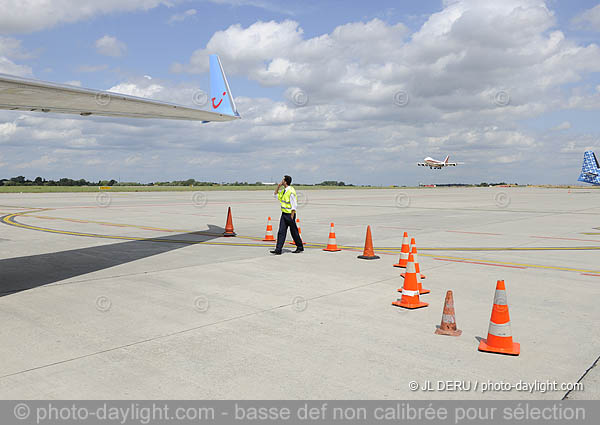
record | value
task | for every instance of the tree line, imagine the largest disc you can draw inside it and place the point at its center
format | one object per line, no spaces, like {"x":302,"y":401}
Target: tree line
{"x":39,"y":181}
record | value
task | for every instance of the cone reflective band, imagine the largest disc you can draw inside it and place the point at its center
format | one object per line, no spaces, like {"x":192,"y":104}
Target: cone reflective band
{"x":418,"y":271}
{"x":229,"y":225}
{"x":448,"y":325}
{"x":269,"y":235}
{"x":499,"y":338}
{"x":332,"y":244}
{"x":299,"y":231}
{"x":410,"y":290}
{"x":368,"y":253}
{"x":413,"y":249}
{"x":404,"y":252}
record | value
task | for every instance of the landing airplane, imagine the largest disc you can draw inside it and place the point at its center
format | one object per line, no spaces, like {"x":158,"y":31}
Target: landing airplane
{"x":590,"y":170}
{"x":434,"y":163}
{"x":23,"y":94}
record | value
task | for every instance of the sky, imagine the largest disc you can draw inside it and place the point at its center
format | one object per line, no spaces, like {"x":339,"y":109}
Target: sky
{"x":327,"y":90}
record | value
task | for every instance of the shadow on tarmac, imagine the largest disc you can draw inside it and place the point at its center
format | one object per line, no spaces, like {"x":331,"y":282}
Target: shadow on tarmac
{"x":23,"y":273}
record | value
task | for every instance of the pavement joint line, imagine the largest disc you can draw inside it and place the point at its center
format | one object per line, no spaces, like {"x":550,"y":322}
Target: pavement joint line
{"x":184,"y":331}
{"x":538,"y":266}
{"x":582,"y":376}
{"x":493,"y":207}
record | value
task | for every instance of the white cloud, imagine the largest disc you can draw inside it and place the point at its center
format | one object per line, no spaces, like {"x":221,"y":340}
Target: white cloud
{"x":41,"y":163}
{"x":178,"y":17}
{"x":135,"y":90}
{"x":7,"y":129}
{"x":10,"y":49}
{"x":9,"y":67}
{"x":92,"y":68}
{"x":110,"y":46}
{"x":273,"y":6}
{"x":589,"y":19}
{"x":565,"y":125}
{"x":351,"y":128}
{"x":20,"y":16}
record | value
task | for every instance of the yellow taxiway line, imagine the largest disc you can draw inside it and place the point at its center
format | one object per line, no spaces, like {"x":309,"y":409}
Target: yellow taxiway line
{"x":10,"y":220}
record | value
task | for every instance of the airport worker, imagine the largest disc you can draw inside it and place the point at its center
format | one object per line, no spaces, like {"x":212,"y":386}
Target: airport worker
{"x":289,"y":203}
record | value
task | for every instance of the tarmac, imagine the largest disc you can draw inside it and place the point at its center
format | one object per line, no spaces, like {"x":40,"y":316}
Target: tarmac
{"x":136,"y":295}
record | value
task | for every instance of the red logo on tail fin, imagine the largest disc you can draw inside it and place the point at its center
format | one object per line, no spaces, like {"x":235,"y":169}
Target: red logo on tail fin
{"x":218,"y":104}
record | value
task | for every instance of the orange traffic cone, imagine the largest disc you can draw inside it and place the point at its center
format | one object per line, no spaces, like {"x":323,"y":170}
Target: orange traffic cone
{"x":413,"y":244}
{"x":332,"y":244}
{"x":410,"y":290}
{"x":499,"y":338}
{"x":269,"y":235}
{"x":299,"y":231}
{"x":418,"y":269}
{"x":448,"y":326}
{"x":368,"y":253}
{"x":404,"y":251}
{"x":229,"y":226}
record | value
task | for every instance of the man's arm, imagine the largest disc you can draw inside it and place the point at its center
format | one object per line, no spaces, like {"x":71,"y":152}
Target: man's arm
{"x":294,"y":204}
{"x":278,"y":187}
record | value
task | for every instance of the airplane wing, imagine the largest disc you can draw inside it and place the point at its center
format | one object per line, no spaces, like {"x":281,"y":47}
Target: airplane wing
{"x":23,"y":94}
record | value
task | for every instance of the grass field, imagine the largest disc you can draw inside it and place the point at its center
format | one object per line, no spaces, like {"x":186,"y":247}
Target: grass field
{"x":57,"y":189}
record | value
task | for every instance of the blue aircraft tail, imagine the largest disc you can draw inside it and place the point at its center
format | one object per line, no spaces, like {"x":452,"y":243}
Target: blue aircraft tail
{"x":590,"y":170}
{"x":221,"y":99}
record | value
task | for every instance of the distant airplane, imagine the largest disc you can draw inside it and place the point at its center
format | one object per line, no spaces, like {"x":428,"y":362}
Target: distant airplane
{"x":590,"y":170}
{"x":24,"y":94}
{"x":434,"y":163}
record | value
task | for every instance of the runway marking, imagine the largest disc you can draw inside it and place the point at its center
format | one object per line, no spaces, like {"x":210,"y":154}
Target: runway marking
{"x":519,"y":265}
{"x":567,"y":239}
{"x":10,"y":220}
{"x":591,"y":274}
{"x":475,"y":233}
{"x":104,"y":223}
{"x":480,"y":263}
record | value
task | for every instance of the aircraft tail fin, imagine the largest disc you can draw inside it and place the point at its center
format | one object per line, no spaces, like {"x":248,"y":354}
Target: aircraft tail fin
{"x":590,"y":170}
{"x":446,"y":160}
{"x":221,"y":99}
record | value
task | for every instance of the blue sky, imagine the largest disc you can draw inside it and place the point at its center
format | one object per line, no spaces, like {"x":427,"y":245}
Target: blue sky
{"x":350,"y":58}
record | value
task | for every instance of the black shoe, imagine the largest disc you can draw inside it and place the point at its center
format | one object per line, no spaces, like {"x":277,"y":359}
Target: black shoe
{"x":276,"y":252}
{"x":298,"y":250}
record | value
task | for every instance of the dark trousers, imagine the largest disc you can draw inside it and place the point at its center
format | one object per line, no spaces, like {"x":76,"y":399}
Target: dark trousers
{"x":285,"y":222}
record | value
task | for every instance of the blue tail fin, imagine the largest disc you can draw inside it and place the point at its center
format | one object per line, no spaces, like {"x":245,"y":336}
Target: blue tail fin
{"x":221,"y":99}
{"x":590,"y":170}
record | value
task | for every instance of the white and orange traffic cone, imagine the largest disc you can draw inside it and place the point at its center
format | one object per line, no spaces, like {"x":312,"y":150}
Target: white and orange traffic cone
{"x":418,"y":269}
{"x":413,"y":245}
{"x":269,"y":235}
{"x":499,"y":338}
{"x":299,"y":231}
{"x":331,"y":244}
{"x":404,"y":252}
{"x":410,"y":290}
{"x":448,"y":325}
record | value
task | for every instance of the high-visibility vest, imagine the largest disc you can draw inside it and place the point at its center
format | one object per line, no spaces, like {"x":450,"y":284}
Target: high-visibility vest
{"x":284,"y":199}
